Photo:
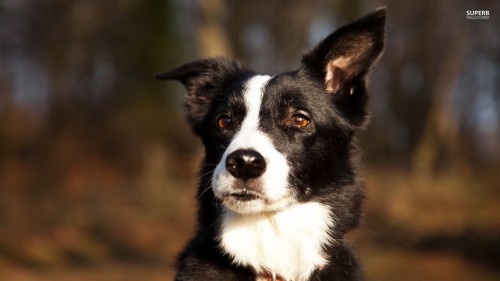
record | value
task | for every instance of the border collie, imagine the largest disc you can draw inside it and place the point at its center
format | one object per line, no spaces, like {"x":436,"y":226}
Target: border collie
{"x":278,"y":188}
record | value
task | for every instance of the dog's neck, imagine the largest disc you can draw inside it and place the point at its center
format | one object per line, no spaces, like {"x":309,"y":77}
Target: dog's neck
{"x":288,"y":243}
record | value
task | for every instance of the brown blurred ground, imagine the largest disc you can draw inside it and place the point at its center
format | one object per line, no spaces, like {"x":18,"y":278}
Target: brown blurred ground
{"x":407,"y":234}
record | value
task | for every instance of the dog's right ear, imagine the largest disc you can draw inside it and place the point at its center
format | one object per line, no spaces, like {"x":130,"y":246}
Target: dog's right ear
{"x":204,"y":80}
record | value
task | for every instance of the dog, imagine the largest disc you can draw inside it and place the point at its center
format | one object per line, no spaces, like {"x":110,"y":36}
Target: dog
{"x":279,"y":187}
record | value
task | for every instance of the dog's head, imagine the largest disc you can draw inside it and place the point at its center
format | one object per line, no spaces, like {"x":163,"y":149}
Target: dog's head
{"x":272,"y":141}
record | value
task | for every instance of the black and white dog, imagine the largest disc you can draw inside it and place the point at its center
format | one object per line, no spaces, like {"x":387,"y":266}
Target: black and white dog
{"x":278,"y":188}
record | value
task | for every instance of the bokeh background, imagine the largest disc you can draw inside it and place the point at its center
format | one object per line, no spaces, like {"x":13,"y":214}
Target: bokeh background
{"x":98,"y":167}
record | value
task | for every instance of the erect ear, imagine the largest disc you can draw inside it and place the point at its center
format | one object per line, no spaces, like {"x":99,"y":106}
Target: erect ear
{"x":349,"y":53}
{"x":204,"y":80}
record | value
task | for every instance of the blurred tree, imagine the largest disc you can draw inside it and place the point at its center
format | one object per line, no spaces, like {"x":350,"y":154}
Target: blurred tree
{"x":212,"y":34}
{"x":421,"y":110}
{"x":78,"y":104}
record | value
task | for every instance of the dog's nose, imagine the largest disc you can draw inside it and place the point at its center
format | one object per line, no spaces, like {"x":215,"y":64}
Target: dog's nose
{"x":245,"y":164}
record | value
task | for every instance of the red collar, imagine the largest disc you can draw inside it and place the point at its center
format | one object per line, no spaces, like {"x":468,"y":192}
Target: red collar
{"x":268,"y":276}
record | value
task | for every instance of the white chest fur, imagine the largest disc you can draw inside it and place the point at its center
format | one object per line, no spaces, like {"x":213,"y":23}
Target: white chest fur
{"x":288,"y":243}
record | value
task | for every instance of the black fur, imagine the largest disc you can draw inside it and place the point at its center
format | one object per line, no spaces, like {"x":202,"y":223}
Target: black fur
{"x":323,"y":154}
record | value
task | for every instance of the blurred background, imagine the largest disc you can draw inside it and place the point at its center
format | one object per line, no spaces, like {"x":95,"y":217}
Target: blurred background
{"x":98,"y":167}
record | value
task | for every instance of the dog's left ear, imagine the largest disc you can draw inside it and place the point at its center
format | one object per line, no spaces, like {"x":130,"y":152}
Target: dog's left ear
{"x":343,"y":60}
{"x":349,"y":53}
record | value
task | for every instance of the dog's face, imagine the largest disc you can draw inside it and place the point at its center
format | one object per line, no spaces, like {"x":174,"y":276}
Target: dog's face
{"x":272,"y":141}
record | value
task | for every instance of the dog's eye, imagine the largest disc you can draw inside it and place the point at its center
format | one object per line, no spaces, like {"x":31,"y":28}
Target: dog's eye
{"x":224,"y":121}
{"x":299,"y":120}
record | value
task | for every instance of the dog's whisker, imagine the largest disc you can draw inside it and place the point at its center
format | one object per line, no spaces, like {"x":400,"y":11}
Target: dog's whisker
{"x":206,"y":188}
{"x":205,"y":174}
{"x":209,"y":165}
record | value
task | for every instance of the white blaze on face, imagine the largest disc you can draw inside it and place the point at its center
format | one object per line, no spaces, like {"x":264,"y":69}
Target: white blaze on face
{"x":274,"y":181}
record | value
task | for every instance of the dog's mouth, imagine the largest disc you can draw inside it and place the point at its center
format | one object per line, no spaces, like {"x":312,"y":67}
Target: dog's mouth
{"x":246,"y":201}
{"x":244,"y":195}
